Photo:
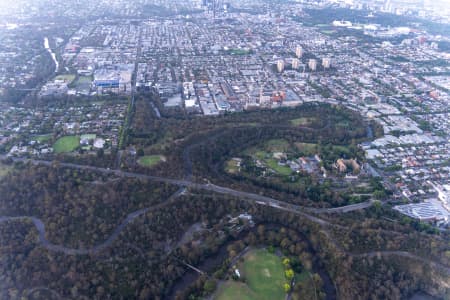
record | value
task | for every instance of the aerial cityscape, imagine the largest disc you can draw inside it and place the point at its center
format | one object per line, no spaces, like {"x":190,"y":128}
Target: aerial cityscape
{"x":214,"y":149}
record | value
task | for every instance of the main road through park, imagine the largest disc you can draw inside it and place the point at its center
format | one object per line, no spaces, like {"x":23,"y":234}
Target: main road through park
{"x":304,"y":212}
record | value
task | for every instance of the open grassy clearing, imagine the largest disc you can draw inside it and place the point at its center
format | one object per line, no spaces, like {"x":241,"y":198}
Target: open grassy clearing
{"x":301,"y":121}
{"x":84,"y":79}
{"x":239,"y":51}
{"x":88,"y":136}
{"x":150,"y":160}
{"x":82,"y":82}
{"x":249,"y":124}
{"x":4,"y":170}
{"x":265,"y":154}
{"x":66,"y":144}
{"x":268,"y":159}
{"x":66,"y":77}
{"x":273,"y":164}
{"x":264,"y":275}
{"x":42,"y":138}
{"x":277,"y":145}
{"x":232,"y":290}
{"x":232,"y":166}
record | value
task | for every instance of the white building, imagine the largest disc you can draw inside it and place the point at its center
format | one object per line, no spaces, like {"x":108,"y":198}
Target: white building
{"x":326,"y":62}
{"x":299,"y":51}
{"x":312,"y":64}
{"x":280,"y":65}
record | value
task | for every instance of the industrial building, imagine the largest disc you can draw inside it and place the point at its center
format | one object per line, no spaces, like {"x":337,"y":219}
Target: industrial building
{"x":116,"y":79}
{"x":429,"y":211}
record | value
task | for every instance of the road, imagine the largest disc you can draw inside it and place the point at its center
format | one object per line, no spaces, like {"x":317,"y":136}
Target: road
{"x":28,"y":293}
{"x":156,"y":110}
{"x":40,"y":227}
{"x":259,"y":199}
{"x":253,"y":198}
{"x":404,"y":254}
{"x":97,"y":249}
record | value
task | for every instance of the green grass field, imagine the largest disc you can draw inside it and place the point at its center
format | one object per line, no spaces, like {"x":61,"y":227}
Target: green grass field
{"x":265,"y":155}
{"x":277,"y":145}
{"x":301,"y":121}
{"x":233,"y":290}
{"x":239,"y":52}
{"x":269,"y":161}
{"x":264,"y":274}
{"x":150,"y":160}
{"x":84,"y":79}
{"x":66,"y":77}
{"x":88,"y":136}
{"x":4,"y":170}
{"x":273,"y":164}
{"x":232,"y":166}
{"x":82,"y":82}
{"x":66,"y":144}
{"x":43,"y":138}
{"x":259,"y":154}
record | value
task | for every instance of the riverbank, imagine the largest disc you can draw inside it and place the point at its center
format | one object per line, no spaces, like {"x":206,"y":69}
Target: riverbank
{"x":212,"y":263}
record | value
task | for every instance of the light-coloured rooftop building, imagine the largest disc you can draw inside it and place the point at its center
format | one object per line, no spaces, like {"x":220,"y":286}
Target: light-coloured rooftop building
{"x":430,"y":210}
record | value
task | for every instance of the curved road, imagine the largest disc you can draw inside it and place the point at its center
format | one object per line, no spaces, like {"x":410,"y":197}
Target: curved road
{"x":98,"y":248}
{"x":404,"y":254}
{"x":254,"y":198}
{"x":31,"y":291}
{"x":208,"y":187}
{"x":70,"y":251}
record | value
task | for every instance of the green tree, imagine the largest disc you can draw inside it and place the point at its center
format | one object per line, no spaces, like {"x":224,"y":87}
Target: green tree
{"x":289,"y":274}
{"x":209,"y":286}
{"x":287,"y":287}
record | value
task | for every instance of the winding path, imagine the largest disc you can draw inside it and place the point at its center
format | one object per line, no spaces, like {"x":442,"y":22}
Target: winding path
{"x":70,"y":251}
{"x":96,"y":249}
{"x":253,"y":198}
{"x":40,"y":227}
{"x":206,"y":187}
{"x":31,"y":291}
{"x":403,"y":254}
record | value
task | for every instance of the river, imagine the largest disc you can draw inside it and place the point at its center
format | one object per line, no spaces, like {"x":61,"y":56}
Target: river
{"x":213,"y":262}
{"x":47,"y":47}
